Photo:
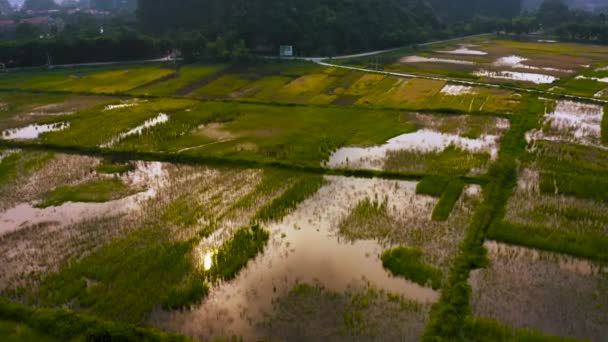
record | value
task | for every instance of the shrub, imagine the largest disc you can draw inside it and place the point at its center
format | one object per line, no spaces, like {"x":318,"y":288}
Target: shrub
{"x":406,"y":262}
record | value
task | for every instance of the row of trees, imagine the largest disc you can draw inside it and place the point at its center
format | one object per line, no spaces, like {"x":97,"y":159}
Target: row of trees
{"x":312,"y":26}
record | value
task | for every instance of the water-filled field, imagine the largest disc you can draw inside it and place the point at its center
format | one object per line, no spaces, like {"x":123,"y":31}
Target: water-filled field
{"x":290,"y":200}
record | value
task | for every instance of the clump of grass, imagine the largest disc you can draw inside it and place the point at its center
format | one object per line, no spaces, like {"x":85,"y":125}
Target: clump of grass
{"x":489,"y":330}
{"x":12,"y":331}
{"x":236,"y":253}
{"x":590,"y":245}
{"x":368,"y":208}
{"x":432,"y":185}
{"x":580,"y":186}
{"x":605,"y":126}
{"x":282,"y":205}
{"x":407,"y":263}
{"x":8,"y":167}
{"x":447,"y":201}
{"x":65,"y":325}
{"x":96,"y":191}
{"x":183,"y":297}
{"x":452,"y":161}
{"x":110,"y":169}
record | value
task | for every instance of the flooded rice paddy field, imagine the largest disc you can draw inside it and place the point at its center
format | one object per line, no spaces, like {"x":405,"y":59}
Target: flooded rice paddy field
{"x":183,"y":247}
{"x":538,"y":63}
{"x":36,"y":240}
{"x":319,"y":244}
{"x":556,"y":294}
{"x":475,"y":141}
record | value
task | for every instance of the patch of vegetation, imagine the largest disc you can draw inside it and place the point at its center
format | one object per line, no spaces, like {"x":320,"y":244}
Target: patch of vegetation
{"x":185,"y":296}
{"x":407,"y":263}
{"x":63,"y":325}
{"x":489,"y":330}
{"x":11,"y":331}
{"x":184,"y":212}
{"x":452,"y":161}
{"x":303,"y":188}
{"x":93,"y":80}
{"x":94,"y":127}
{"x":368,"y":208}
{"x":125,"y":279}
{"x":110,"y":169}
{"x":185,"y":76}
{"x":605,"y":126}
{"x":8,"y":167}
{"x":589,"y":245}
{"x":96,"y":191}
{"x":580,"y":186}
{"x":448,"y":199}
{"x":274,"y":180}
{"x":236,"y":253}
{"x":432,"y":185}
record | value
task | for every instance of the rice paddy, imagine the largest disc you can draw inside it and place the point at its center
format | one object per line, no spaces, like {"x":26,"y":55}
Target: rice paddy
{"x":290,"y":200}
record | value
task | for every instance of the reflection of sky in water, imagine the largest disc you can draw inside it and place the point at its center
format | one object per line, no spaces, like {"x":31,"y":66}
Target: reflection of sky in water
{"x":32,"y":131}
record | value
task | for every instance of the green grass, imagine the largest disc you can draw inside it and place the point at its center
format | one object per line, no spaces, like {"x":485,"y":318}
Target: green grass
{"x":11,"y":331}
{"x":123,"y":280}
{"x":8,"y":167}
{"x":236,"y":253}
{"x":20,"y":164}
{"x":448,"y":199}
{"x":452,"y":161}
{"x":407,"y":263}
{"x":432,"y":185}
{"x":94,"y":80}
{"x":580,"y":186}
{"x":96,"y":191}
{"x":368,"y":208}
{"x":184,"y":212}
{"x":273,"y":181}
{"x":94,"y":127}
{"x":110,"y":169}
{"x":223,"y":86}
{"x":185,"y":296}
{"x":489,"y":330}
{"x":588,"y":245}
{"x":186,"y":75}
{"x":605,"y":126}
{"x":62,"y":325}
{"x":303,"y":188}
{"x":582,"y":87}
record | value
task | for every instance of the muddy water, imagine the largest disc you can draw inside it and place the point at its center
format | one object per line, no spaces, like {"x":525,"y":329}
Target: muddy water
{"x":517,"y":76}
{"x":32,"y":131}
{"x":572,"y":122}
{"x":464,"y":50}
{"x":517,"y":62}
{"x":303,"y":248}
{"x":149,"y":175}
{"x":161,"y":118}
{"x":424,"y":140}
{"x":419,"y":59}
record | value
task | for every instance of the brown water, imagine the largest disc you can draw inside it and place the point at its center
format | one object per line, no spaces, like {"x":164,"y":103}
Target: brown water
{"x":303,"y":248}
